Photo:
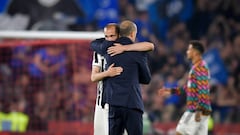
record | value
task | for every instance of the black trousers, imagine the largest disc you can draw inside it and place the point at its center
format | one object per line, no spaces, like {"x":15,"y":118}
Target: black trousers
{"x":121,"y":118}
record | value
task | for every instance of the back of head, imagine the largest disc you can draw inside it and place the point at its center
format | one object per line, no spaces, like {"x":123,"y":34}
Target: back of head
{"x":197,"y":45}
{"x":128,"y":29}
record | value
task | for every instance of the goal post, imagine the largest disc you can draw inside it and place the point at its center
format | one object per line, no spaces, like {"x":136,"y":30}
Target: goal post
{"x":51,"y":35}
{"x":48,"y":71}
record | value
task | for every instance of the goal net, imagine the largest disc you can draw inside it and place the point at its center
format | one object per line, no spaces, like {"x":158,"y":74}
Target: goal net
{"x":45,"y":76}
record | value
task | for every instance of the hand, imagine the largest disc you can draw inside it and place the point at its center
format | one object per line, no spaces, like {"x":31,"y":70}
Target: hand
{"x":164,"y":92}
{"x":198,"y":116}
{"x":116,"y":49}
{"x":114,"y":71}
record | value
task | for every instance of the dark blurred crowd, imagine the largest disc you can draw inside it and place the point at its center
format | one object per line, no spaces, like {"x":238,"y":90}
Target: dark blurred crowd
{"x":46,"y":82}
{"x":43,"y":79}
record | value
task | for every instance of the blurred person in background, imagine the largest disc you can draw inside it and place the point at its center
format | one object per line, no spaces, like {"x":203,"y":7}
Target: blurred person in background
{"x":48,"y":63}
{"x":20,"y":59}
{"x":57,"y":15}
{"x":195,"y":118}
{"x":39,"y":112}
{"x":13,"y":117}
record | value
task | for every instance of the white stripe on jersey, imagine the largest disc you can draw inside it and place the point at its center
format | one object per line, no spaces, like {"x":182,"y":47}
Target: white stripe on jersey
{"x":99,"y":60}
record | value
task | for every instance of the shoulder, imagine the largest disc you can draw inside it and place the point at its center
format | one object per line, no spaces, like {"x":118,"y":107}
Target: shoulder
{"x":98,"y":40}
{"x":124,"y":40}
{"x":204,"y":63}
{"x":201,"y":67}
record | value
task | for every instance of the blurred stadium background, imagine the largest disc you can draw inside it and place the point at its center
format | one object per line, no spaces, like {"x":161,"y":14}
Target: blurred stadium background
{"x":45,"y":86}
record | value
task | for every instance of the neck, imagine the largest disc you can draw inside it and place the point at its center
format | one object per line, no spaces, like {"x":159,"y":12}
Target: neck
{"x":196,"y":60}
{"x":48,"y":3}
{"x":130,"y":38}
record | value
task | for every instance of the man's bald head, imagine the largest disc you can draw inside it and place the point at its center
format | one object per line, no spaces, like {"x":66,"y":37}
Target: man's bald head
{"x":128,"y":29}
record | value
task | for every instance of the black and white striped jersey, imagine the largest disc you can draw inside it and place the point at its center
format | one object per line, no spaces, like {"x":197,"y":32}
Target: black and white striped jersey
{"x":99,"y":61}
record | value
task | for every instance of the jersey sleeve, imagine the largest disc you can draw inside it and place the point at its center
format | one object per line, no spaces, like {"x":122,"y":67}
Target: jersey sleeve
{"x":101,"y":45}
{"x":179,"y":90}
{"x":144,"y":71}
{"x":97,"y":59}
{"x":202,"y":83}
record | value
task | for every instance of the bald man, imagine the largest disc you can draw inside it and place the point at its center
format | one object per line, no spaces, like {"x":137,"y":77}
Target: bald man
{"x":122,"y":92}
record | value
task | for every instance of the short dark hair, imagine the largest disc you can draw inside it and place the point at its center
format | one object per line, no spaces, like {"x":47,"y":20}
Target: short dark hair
{"x":197,"y":45}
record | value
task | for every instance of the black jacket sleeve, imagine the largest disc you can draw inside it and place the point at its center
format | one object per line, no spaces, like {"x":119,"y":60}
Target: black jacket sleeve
{"x":144,"y":71}
{"x":100,"y":45}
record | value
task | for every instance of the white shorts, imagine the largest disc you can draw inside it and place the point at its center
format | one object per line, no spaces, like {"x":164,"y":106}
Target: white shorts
{"x":101,"y":120}
{"x":188,"y":126}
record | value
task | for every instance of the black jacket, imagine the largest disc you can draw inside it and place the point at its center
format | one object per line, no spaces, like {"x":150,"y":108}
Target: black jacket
{"x":124,"y":90}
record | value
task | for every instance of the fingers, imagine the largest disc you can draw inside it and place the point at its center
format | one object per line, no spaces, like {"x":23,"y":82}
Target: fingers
{"x":111,"y":65}
{"x":114,"y":50}
{"x":111,"y":52}
{"x":117,"y":44}
{"x":160,"y":92}
{"x":164,"y":92}
{"x":197,"y":119}
{"x":113,"y":71}
{"x":198,"y":116}
{"x":119,"y":69}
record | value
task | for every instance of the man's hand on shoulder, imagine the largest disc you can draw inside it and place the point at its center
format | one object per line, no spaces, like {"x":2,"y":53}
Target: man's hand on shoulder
{"x":117,"y":48}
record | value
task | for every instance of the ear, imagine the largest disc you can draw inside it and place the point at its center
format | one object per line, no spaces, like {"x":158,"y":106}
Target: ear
{"x":132,"y":34}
